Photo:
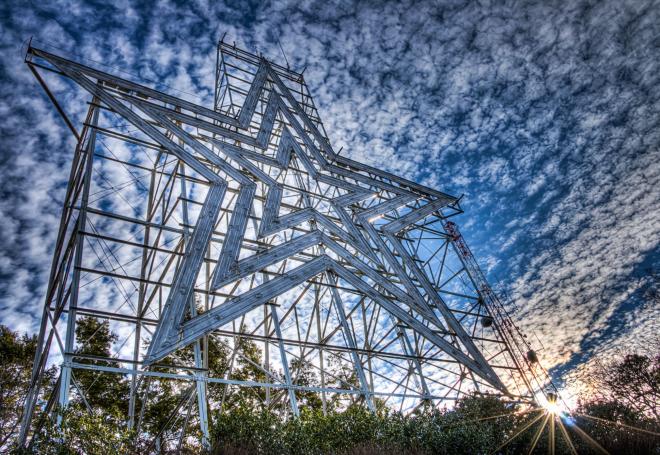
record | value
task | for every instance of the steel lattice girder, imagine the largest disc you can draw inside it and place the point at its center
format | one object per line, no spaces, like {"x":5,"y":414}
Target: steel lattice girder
{"x":274,"y":222}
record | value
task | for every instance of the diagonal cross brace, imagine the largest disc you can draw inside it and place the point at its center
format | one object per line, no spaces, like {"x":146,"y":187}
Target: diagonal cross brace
{"x":242,"y":304}
{"x":350,"y":340}
{"x":183,"y":283}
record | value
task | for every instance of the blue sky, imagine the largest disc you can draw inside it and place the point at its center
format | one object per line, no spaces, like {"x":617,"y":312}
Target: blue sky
{"x":545,"y":115}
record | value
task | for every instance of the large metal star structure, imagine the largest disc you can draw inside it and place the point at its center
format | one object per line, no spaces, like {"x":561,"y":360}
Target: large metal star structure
{"x":189,"y":222}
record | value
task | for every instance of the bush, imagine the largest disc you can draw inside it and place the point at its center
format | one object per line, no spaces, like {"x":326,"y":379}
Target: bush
{"x":356,"y":430}
{"x":83,"y":433}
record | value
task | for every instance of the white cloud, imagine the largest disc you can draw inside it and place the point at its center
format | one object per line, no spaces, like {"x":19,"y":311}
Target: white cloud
{"x":549,"y":128}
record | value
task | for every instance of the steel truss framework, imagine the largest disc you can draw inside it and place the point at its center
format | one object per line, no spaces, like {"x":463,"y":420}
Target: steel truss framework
{"x":184,"y":223}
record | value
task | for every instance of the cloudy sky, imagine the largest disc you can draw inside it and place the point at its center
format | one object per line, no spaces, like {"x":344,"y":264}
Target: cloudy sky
{"x":546,"y":116}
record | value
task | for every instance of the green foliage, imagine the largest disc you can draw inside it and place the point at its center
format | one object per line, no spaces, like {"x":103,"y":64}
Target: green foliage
{"x":304,"y":375}
{"x":611,"y":410}
{"x":617,"y":428}
{"x":163,"y":397}
{"x":83,"y":433}
{"x":103,"y":391}
{"x":635,"y":381}
{"x":16,"y":357}
{"x":624,"y":415}
{"x":241,"y":423}
{"x":164,"y":400}
{"x":357,"y":430}
{"x":246,"y":367}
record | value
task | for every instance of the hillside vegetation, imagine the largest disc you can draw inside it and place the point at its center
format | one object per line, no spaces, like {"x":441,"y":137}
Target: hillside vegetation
{"x":622,"y":417}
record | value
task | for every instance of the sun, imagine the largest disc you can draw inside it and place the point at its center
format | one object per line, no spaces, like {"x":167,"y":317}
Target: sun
{"x":552,"y":407}
{"x":551,"y":403}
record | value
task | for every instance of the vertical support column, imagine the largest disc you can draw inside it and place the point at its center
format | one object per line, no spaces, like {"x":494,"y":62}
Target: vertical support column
{"x":200,"y":376}
{"x":319,"y":333}
{"x":339,"y":305}
{"x":202,"y":403}
{"x":56,"y":283}
{"x":285,"y":364}
{"x":65,"y":375}
{"x":141,"y":297}
{"x":266,"y":319}
{"x":408,"y":349}
{"x":217,"y":77}
{"x":267,"y":351}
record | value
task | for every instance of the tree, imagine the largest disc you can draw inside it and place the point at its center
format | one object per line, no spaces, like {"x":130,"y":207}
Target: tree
{"x":80,"y":431}
{"x":166,"y":402}
{"x":631,"y":380}
{"x":355,"y":429}
{"x":617,"y":427}
{"x":345,"y":377}
{"x":244,"y":365}
{"x":624,"y":412}
{"x":104,"y":391}
{"x":635,"y":381}
{"x":16,"y":357}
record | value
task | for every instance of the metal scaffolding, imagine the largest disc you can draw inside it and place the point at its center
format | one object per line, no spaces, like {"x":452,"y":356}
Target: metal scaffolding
{"x":189,"y":225}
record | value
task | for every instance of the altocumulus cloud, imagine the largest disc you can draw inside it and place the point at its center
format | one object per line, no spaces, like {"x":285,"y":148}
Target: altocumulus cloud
{"x":544,"y":114}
